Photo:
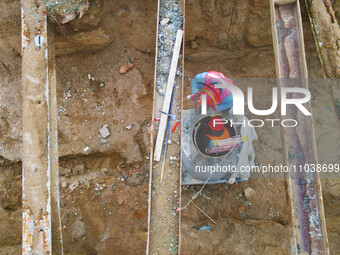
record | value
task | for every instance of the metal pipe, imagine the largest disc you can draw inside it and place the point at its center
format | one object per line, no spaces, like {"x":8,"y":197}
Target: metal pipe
{"x":40,"y":182}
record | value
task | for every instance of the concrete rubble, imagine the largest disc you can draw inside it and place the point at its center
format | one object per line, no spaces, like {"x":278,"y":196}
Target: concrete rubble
{"x":74,"y":185}
{"x":104,"y":131}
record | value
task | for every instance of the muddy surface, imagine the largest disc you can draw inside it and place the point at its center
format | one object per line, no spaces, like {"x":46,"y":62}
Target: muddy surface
{"x":104,"y":181}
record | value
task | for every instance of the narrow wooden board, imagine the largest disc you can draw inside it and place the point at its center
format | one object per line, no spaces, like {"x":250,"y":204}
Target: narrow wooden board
{"x":168,"y":94}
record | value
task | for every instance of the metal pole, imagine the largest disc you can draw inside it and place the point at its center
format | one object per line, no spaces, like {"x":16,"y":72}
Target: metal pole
{"x":40,"y":189}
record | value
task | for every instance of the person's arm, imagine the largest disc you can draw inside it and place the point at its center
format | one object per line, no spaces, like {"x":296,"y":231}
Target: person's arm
{"x":197,"y":85}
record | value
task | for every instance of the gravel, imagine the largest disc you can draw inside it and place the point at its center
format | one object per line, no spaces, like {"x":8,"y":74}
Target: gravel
{"x":170,"y":21}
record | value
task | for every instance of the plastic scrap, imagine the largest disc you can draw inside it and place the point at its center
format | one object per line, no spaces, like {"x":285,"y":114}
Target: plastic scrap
{"x":205,"y":228}
{"x":247,"y":154}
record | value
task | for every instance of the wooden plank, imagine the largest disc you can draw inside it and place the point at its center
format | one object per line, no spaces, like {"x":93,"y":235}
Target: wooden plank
{"x":168,"y":94}
{"x":36,"y":193}
{"x":57,"y":239}
{"x":181,"y":151}
{"x":284,"y":2}
{"x":152,"y":131}
{"x":40,"y":191}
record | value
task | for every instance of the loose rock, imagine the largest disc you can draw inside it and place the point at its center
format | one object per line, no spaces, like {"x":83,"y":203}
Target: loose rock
{"x":126,"y":68}
{"x":249,"y":192}
{"x":104,"y":131}
{"x":193,"y":45}
{"x":165,"y":21}
{"x":241,"y":208}
{"x":74,"y":185}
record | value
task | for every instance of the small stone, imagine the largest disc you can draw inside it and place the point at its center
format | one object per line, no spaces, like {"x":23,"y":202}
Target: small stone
{"x":86,"y":148}
{"x":74,"y":185}
{"x":249,"y":192}
{"x":128,"y":127}
{"x":120,"y":200}
{"x":104,"y":171}
{"x":64,"y":171}
{"x":104,"y":131}
{"x":63,"y":184}
{"x":193,"y":45}
{"x":89,"y":76}
{"x":102,"y":84}
{"x":126,"y":68}
{"x":241,"y":208}
{"x":165,"y":21}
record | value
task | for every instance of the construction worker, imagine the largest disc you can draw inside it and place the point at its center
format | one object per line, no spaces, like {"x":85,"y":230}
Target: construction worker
{"x":217,"y":98}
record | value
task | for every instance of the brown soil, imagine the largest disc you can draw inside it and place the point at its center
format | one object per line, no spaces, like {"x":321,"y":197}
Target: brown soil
{"x":107,"y":212}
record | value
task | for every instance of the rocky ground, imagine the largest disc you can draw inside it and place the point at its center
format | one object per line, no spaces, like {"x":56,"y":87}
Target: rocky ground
{"x":104,"y":180}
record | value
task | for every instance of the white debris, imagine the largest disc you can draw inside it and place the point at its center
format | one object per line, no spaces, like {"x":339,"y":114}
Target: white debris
{"x":102,"y":84}
{"x":128,"y":127}
{"x":249,"y":192}
{"x":63,"y":184}
{"x":89,"y":76}
{"x":104,"y":131}
{"x":86,"y":148}
{"x":165,"y":21}
{"x":74,"y":185}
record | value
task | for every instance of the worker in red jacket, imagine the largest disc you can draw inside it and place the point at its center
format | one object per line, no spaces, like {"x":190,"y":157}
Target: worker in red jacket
{"x":217,"y":98}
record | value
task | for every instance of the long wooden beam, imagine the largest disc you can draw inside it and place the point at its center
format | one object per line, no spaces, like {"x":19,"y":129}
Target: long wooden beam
{"x":308,"y":227}
{"x":40,"y":180}
{"x":168,"y":96}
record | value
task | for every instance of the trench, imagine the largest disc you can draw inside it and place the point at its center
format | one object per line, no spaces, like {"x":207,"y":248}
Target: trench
{"x":107,"y":211}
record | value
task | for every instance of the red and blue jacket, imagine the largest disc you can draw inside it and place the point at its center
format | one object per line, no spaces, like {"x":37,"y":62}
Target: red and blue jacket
{"x":217,"y":98}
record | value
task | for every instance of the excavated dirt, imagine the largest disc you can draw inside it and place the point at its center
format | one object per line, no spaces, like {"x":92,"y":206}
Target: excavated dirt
{"x":106,"y":213}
